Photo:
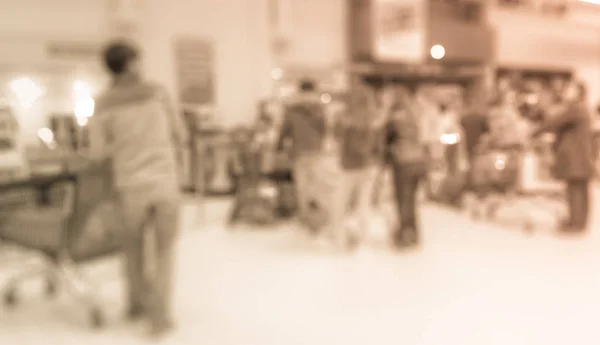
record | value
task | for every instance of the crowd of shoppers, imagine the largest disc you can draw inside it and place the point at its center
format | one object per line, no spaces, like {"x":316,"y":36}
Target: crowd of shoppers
{"x":372,"y":133}
{"x":388,"y":129}
{"x":377,"y":130}
{"x":517,"y":118}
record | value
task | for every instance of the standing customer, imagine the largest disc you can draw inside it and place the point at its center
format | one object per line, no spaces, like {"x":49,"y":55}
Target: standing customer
{"x":304,"y":125}
{"x":574,"y":152}
{"x":359,"y":143}
{"x":408,"y":158}
{"x":136,"y":129}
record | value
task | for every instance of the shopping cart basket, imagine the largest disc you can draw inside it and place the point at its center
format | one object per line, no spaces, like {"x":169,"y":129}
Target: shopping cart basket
{"x":53,"y":226}
{"x":521,"y":182}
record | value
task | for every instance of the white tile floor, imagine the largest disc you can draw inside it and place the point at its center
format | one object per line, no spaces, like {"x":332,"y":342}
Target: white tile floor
{"x":469,"y":284}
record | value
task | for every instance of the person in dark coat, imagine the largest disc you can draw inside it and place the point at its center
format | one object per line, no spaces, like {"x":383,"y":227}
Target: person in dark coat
{"x":407,"y":152}
{"x":570,"y":121}
{"x":474,"y":124}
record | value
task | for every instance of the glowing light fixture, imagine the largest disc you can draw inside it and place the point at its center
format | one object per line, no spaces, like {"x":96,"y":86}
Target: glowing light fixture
{"x":500,"y":162}
{"x":326,"y":98}
{"x":26,"y":91}
{"x":47,"y":137}
{"x":450,"y":138}
{"x":438,"y":52}
{"x":84,"y":109}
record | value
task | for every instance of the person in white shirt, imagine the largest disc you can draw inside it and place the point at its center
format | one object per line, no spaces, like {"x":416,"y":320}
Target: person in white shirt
{"x":135,"y":129}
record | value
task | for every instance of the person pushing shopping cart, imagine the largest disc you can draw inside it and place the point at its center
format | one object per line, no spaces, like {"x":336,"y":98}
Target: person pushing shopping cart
{"x":135,"y":128}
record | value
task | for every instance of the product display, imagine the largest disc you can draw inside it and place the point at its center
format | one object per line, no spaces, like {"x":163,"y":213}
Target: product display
{"x":12,"y":162}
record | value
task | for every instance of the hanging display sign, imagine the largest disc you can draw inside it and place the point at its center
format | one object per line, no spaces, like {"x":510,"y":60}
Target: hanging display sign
{"x":194,"y":59}
{"x":398,"y":29}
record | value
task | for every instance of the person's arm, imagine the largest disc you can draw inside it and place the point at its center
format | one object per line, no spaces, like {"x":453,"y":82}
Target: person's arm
{"x":485,"y":124}
{"x":99,"y":142}
{"x":565,"y":117}
{"x":97,"y":139}
{"x":379,"y":141}
{"x":286,"y":130}
{"x":179,"y":129}
{"x":390,"y":134}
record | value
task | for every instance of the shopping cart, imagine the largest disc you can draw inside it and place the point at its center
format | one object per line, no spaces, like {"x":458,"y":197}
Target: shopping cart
{"x":519,"y":180}
{"x":53,"y":225}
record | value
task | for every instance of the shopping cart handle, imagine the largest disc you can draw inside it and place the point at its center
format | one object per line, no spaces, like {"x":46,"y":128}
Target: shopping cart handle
{"x":37,"y":182}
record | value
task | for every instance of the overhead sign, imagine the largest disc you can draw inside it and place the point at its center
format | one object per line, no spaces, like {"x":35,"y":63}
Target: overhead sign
{"x":399,"y":30}
{"x":194,"y":59}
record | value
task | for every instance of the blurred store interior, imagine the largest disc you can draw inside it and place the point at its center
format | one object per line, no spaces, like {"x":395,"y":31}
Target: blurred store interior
{"x":227,"y":62}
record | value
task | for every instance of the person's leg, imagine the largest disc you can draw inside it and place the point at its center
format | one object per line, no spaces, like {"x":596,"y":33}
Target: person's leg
{"x":571,"y":195}
{"x":398,"y":193}
{"x":364,"y":197}
{"x":167,"y":222}
{"x":586,"y":201}
{"x":578,"y":200}
{"x":333,"y":188}
{"x":406,"y":199}
{"x":133,"y":209}
{"x":301,"y":180}
{"x":345,"y":203}
{"x":240,"y":202}
{"x":410,"y":219}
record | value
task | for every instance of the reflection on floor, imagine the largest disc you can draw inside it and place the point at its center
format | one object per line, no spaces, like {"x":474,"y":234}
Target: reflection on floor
{"x":469,"y":284}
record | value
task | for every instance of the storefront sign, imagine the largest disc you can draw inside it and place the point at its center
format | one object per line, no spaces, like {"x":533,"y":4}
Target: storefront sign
{"x":398,"y":30}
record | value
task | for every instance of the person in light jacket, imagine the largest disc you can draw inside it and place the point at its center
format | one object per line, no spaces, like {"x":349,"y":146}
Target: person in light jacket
{"x":135,"y":128}
{"x":304,"y":126}
{"x":359,"y":145}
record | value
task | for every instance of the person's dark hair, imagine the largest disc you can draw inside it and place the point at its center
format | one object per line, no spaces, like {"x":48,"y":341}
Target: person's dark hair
{"x":443,"y":107}
{"x":307,"y":85}
{"x":118,"y":56}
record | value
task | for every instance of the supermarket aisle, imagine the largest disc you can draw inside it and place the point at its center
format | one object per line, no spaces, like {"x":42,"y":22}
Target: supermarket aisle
{"x":469,"y":284}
